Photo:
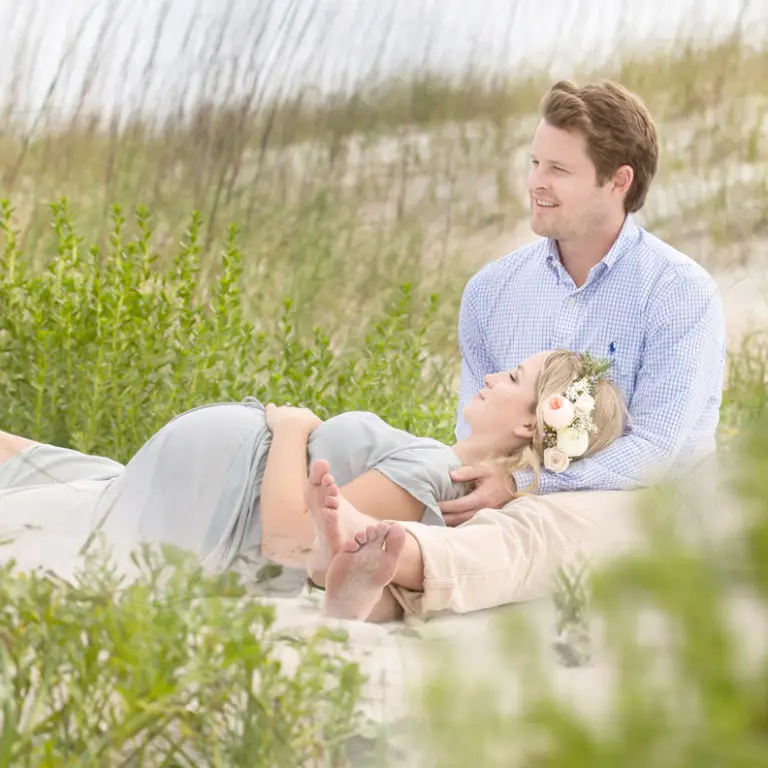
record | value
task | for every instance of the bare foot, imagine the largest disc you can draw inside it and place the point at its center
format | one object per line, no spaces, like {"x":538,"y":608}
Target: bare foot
{"x":321,"y":497}
{"x":357,"y":575}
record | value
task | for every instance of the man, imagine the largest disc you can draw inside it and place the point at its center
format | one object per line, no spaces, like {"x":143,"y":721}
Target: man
{"x":598,"y":282}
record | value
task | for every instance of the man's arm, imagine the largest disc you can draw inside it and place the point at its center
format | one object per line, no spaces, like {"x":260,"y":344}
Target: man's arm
{"x":476,"y":363}
{"x":680,"y":375}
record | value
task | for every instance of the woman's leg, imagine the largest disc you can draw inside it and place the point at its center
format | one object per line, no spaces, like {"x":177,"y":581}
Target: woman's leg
{"x":36,"y":463}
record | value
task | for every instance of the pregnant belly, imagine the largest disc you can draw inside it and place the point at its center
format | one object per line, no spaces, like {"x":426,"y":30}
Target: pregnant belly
{"x":188,"y":484}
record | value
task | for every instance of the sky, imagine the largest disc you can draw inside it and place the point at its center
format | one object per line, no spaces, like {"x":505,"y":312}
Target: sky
{"x":106,"y":48}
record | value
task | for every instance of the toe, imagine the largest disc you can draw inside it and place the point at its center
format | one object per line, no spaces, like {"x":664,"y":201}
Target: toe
{"x":372,"y":533}
{"x":395,"y":539}
{"x":318,"y":470}
{"x":350,"y":545}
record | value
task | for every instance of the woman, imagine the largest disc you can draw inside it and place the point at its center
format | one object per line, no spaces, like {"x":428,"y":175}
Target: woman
{"x":380,"y":571}
{"x":222,"y":477}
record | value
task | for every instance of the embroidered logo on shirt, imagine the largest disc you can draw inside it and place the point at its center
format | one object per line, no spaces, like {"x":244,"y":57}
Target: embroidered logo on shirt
{"x":612,"y":348}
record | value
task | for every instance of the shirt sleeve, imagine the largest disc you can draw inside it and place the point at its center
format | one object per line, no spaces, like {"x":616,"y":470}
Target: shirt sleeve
{"x":476,"y":362}
{"x":680,"y":376}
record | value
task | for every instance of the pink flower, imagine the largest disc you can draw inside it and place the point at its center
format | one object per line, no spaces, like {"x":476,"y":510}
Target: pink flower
{"x":557,"y":412}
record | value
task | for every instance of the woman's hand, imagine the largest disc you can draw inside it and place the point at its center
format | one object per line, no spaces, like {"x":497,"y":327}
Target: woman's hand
{"x":280,"y":416}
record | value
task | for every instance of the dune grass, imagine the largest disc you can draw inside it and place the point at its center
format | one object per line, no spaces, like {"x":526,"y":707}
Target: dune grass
{"x":344,"y":195}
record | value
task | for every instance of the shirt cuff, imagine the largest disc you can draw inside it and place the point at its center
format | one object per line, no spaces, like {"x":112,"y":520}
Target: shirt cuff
{"x":523,"y":479}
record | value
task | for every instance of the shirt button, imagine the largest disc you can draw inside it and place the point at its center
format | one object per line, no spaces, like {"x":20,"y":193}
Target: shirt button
{"x":571,"y":301}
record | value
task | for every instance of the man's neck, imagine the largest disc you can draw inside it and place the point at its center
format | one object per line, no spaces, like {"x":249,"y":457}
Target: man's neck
{"x":579,"y":256}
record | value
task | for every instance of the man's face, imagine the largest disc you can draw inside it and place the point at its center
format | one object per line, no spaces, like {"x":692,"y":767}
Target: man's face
{"x":566,"y":200}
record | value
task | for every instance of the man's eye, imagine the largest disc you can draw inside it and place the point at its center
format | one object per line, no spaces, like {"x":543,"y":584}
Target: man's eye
{"x":512,"y":378}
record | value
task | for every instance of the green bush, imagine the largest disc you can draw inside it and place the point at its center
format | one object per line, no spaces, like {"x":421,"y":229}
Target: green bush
{"x":98,"y":350}
{"x":175,"y":668}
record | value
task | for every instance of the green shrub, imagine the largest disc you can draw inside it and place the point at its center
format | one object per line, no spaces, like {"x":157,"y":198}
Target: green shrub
{"x":98,"y":350}
{"x":173,"y":669}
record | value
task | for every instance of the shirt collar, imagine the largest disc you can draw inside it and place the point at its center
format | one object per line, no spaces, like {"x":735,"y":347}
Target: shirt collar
{"x":621,"y":245}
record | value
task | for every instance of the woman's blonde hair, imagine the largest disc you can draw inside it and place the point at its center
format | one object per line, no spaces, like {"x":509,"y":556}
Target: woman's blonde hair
{"x":560,"y":370}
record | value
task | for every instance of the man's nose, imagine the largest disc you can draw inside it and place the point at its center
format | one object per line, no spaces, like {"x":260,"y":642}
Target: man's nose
{"x":537,"y":180}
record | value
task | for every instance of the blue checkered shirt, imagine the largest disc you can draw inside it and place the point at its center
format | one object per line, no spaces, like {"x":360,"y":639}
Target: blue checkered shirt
{"x":655,"y":312}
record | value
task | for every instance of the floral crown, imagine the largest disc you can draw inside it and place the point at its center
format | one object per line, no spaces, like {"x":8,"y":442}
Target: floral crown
{"x":568,"y":417}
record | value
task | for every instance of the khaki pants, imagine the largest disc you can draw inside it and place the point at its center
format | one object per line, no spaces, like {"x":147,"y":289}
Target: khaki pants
{"x":511,"y":555}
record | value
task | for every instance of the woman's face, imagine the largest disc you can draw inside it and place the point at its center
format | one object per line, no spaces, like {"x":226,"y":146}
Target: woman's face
{"x":505,"y":408}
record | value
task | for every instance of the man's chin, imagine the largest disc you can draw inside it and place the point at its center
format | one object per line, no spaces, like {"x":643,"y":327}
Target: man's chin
{"x":541,"y":229}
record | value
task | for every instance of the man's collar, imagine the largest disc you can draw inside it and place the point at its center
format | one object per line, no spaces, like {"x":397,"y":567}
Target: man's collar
{"x":621,"y":245}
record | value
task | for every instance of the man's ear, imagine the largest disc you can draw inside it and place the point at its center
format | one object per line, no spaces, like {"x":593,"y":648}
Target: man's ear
{"x":622,"y":179}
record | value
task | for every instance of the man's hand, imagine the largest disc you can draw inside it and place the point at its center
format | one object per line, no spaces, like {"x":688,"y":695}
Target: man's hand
{"x":491,"y":492}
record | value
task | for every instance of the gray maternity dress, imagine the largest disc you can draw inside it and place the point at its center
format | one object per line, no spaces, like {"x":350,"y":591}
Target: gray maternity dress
{"x":196,"y":483}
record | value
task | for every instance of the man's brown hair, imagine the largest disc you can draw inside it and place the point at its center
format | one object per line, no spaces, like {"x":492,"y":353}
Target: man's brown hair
{"x":618,"y":128}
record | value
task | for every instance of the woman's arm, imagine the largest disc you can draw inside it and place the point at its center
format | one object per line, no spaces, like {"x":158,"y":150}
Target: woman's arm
{"x":285,"y":526}
{"x":376,"y":495}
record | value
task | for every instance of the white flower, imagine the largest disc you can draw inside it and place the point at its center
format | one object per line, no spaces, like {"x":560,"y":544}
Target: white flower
{"x":572,"y":442}
{"x":557,"y":412}
{"x":555,"y":460}
{"x":585,"y":403}
{"x":577,"y":388}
